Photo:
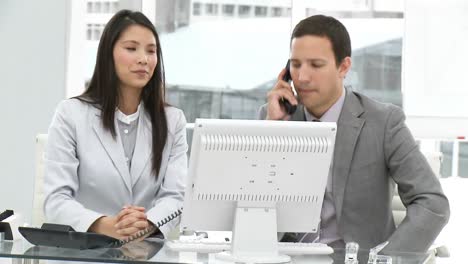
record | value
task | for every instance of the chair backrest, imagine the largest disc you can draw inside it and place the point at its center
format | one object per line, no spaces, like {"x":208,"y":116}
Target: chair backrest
{"x":38,"y":197}
{"x":434,"y":159}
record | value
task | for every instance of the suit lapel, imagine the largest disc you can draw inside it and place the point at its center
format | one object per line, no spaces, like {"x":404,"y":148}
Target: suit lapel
{"x":143,"y":146}
{"x":114,"y":149}
{"x":349,"y":128}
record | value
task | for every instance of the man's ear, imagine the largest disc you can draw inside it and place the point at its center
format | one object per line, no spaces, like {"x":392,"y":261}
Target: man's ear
{"x":344,"y":67}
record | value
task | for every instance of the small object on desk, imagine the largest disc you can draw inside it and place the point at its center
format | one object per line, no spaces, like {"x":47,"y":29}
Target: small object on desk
{"x":9,"y":222}
{"x":194,"y":235}
{"x":374,"y":258}
{"x":202,"y":234}
{"x":352,"y":249}
{"x":5,"y":214}
{"x":187,"y":233}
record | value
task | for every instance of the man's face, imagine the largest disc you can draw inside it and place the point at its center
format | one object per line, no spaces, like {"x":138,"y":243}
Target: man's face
{"x":317,"y":79}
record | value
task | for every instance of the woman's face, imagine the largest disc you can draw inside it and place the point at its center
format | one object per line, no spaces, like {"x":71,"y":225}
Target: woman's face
{"x":135,"y":57}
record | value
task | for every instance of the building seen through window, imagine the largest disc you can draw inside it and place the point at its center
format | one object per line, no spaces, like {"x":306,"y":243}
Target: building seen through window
{"x":222,"y":57}
{"x":260,"y":11}
{"x":228,"y":9}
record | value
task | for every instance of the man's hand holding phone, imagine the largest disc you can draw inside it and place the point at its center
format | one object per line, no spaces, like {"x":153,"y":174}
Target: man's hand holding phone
{"x":278,"y":96}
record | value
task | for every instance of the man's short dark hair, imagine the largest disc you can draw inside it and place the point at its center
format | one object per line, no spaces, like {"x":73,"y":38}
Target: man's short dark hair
{"x":329,"y":27}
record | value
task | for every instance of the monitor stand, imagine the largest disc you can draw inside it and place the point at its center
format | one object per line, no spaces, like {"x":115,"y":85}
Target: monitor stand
{"x":254,"y":236}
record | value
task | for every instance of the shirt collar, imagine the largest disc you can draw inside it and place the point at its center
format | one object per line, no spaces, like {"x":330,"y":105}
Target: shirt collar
{"x":127,"y":119}
{"x":332,"y":114}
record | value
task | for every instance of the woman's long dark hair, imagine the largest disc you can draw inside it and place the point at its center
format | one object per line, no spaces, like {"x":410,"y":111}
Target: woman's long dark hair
{"x":103,"y":90}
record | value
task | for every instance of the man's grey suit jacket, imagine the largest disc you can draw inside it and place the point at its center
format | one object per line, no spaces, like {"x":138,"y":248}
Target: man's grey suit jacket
{"x":374,"y":150}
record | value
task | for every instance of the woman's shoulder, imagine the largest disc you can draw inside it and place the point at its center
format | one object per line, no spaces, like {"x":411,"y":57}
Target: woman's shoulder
{"x":172,"y":112}
{"x":175,"y":119}
{"x":75,"y":104}
{"x":75,"y":107}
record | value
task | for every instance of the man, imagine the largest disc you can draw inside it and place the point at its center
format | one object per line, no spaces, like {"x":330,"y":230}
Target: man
{"x":373,"y":150}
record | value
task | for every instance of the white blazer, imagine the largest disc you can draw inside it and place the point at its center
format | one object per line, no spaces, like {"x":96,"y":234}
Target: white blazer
{"x":86,"y":175}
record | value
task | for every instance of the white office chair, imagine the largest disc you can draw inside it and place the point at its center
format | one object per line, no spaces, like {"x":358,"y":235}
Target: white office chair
{"x":38,"y":198}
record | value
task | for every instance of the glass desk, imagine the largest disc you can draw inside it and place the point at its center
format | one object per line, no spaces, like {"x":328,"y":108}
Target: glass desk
{"x":20,"y":251}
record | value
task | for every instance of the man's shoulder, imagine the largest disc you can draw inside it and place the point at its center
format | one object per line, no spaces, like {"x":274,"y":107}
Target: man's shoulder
{"x":374,"y":108}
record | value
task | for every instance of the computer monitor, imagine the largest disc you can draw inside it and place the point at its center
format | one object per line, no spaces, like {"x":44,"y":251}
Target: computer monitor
{"x":257,"y":178}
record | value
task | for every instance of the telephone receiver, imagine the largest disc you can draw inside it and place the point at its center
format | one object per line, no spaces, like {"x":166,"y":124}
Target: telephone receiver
{"x":290,"y":109}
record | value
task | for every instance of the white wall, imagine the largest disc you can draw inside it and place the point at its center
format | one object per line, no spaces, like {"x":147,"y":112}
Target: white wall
{"x":389,"y":5}
{"x":434,"y":57}
{"x":32,"y":82}
{"x":76,"y":39}
{"x":433,"y":127}
{"x":435,"y":86}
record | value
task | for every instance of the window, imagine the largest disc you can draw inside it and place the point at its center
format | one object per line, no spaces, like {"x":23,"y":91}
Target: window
{"x":228,"y":10}
{"x":182,"y":7}
{"x":277,"y":11}
{"x":211,"y":9}
{"x":89,"y":7}
{"x":89,"y":32}
{"x":216,"y":79}
{"x":196,"y":9}
{"x":94,"y":31}
{"x":115,"y":7}
{"x":376,"y":69}
{"x":260,"y":11}
{"x":98,"y":7}
{"x":244,"y":10}
{"x":106,"y":8}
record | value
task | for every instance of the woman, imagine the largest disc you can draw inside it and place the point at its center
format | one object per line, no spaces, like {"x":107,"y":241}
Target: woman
{"x":116,"y":156}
